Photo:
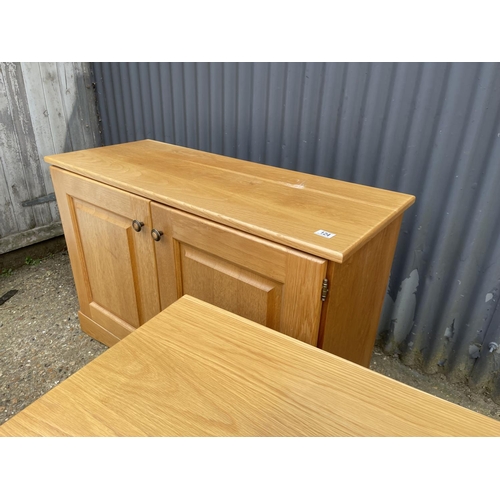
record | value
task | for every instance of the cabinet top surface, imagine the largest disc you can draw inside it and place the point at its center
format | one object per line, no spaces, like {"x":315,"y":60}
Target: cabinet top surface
{"x":281,"y":205}
{"x":197,"y":370}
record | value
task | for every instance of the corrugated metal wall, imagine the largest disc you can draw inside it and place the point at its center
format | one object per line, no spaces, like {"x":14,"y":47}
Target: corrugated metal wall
{"x":430,"y":129}
{"x":45,"y":108}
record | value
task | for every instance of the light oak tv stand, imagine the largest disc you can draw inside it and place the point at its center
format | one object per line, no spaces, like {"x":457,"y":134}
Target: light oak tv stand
{"x":147,"y":222}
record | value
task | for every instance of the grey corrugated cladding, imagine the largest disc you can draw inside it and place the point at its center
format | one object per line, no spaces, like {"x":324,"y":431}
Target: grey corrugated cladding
{"x":429,"y":129}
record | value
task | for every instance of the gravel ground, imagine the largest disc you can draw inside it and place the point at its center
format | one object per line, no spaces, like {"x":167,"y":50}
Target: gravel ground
{"x":41,"y":342}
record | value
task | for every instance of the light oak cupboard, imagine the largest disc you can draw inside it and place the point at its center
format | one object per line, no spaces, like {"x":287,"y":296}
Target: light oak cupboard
{"x":147,"y":222}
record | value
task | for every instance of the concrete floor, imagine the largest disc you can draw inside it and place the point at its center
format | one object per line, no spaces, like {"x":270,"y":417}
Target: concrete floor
{"x":41,"y":342}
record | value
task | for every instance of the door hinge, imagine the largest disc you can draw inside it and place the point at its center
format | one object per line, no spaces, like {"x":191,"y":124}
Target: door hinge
{"x":324,"y":290}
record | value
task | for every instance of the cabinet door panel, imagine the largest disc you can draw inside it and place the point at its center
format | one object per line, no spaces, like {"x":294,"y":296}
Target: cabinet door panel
{"x":106,"y":251}
{"x":268,"y":283}
{"x":113,"y":265}
{"x":226,"y":285}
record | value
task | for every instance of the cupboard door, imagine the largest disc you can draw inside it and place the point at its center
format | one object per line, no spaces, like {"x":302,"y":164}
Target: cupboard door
{"x":262,"y":281}
{"x":113,"y":264}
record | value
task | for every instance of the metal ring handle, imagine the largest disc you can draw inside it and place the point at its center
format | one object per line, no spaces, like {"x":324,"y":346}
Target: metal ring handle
{"x":137,"y":225}
{"x":156,"y":234}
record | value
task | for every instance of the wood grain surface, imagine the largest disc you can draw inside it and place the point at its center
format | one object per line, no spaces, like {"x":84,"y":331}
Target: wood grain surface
{"x":280,"y":205}
{"x":196,"y":370}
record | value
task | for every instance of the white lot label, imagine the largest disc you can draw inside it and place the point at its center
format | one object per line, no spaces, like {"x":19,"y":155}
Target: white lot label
{"x":325,"y":234}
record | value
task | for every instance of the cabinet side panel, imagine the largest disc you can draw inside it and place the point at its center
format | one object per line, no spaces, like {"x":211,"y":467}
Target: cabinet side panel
{"x":357,"y":288}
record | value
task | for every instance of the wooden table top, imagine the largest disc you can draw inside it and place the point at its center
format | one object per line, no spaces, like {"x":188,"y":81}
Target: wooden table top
{"x":280,"y":205}
{"x":196,"y":370}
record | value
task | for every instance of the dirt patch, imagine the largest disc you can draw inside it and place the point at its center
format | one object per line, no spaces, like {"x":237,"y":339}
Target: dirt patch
{"x":436,"y":384}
